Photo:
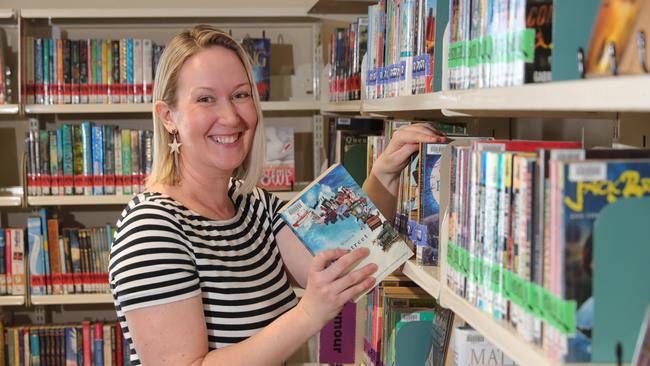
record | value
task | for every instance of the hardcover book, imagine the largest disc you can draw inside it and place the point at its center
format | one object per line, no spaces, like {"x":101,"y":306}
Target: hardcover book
{"x":279,"y":168}
{"x":333,"y":212}
{"x":259,"y":50}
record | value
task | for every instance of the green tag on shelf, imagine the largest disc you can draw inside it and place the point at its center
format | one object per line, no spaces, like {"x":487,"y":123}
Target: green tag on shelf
{"x":488,"y":49}
{"x":494,"y":279}
{"x":465,"y":261}
{"x":507,"y":283}
{"x":527,"y":46}
{"x":570,"y":308}
{"x":473,"y":52}
{"x":451,"y":256}
{"x":533,"y":299}
{"x":546,"y":306}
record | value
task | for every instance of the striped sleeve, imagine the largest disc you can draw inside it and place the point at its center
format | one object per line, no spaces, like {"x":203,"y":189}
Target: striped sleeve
{"x":151,"y":262}
{"x":273,"y":205}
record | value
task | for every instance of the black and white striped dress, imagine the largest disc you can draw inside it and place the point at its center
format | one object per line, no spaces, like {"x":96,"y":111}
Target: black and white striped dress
{"x":164,"y":252}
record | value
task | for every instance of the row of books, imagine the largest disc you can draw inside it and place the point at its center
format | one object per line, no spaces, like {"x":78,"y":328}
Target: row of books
{"x":97,"y":344}
{"x":521,"y":221}
{"x":88,"y":159}
{"x":401,"y":318}
{"x":67,"y":260}
{"x":499,"y":43}
{"x":400,"y":48}
{"x":346,"y":50}
{"x":63,"y":71}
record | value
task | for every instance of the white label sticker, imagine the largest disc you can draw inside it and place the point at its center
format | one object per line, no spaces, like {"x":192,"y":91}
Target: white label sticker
{"x":589,"y":171}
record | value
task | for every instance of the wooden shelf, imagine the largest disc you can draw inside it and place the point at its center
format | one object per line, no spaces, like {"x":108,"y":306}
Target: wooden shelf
{"x":8,"y":108}
{"x":12,"y":300}
{"x":148,"y":107}
{"x":351,"y":106}
{"x":77,"y":200}
{"x":249,"y":9}
{"x":502,"y":336}
{"x":72,"y":299}
{"x":10,"y":201}
{"x":427,"y":277}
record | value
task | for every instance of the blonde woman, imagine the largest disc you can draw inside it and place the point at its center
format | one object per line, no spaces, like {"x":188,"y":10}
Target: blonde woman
{"x":201,"y":263}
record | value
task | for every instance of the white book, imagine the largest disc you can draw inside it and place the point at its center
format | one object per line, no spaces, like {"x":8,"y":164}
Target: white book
{"x":147,"y":70}
{"x":470,"y":348}
{"x":17,"y":262}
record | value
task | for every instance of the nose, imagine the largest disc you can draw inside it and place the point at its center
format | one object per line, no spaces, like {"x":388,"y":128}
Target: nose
{"x":227,"y":113}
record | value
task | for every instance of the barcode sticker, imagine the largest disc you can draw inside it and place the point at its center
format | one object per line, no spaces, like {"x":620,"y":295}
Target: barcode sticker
{"x":567,"y":154}
{"x":591,"y":171}
{"x":296,"y":208}
{"x":490,"y":147}
{"x":343,"y":121}
{"x":435,"y":149}
{"x":413,"y":317}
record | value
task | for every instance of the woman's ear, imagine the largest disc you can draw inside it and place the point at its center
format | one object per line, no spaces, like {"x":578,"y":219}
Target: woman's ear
{"x":164,"y":113}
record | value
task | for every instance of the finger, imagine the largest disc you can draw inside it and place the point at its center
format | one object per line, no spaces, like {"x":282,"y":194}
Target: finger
{"x":358,"y":289}
{"x":354,"y":278}
{"x":418,"y":135}
{"x":323,"y":259}
{"x":429,"y":127}
{"x":344,"y":264}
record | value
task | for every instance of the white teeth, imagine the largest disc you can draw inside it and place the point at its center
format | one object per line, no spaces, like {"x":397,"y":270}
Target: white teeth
{"x":226,"y":139}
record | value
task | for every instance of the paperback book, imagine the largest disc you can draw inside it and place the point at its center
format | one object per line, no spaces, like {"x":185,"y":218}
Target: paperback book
{"x":333,"y":212}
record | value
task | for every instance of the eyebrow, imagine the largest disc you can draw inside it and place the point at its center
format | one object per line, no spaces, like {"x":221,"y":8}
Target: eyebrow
{"x":245,"y":83}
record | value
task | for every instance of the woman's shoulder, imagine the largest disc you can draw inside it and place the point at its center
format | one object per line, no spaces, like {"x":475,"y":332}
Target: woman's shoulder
{"x":146,"y":204}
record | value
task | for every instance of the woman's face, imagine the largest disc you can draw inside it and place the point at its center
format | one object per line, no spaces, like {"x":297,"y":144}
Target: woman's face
{"x":215,"y":113}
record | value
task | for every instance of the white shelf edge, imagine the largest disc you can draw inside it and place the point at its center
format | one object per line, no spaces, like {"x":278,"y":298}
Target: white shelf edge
{"x":428,"y":277}
{"x":8,"y":108}
{"x":7,"y":13}
{"x":72,"y":299}
{"x":353,"y":106}
{"x":89,"y":108}
{"x":77,"y":200}
{"x":508,"y":340}
{"x":216,"y":12}
{"x":10,"y":201}
{"x":148,"y":107}
{"x":9,"y":300}
{"x":420,"y":102}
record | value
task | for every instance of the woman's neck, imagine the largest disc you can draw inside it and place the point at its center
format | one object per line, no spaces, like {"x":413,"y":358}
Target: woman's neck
{"x":204,"y":194}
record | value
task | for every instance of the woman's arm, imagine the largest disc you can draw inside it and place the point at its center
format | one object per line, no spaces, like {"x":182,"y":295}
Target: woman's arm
{"x":383,"y":181}
{"x":175,"y":333}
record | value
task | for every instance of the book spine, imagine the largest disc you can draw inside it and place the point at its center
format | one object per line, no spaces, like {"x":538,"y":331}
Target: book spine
{"x":74,"y":72}
{"x":54,"y":161}
{"x":59,"y":155}
{"x":119,"y":175}
{"x":45,"y":162}
{"x":60,"y":92}
{"x":3,"y":267}
{"x":126,"y":162}
{"x":116,"y":89}
{"x":38,"y":71}
{"x":67,"y":71}
{"x":135,"y":162}
{"x":75,"y":256}
{"x":92,"y":71}
{"x":84,"y":81}
{"x":147,"y":72}
{"x":105,"y":64}
{"x":123,"y":71}
{"x":18,"y":262}
{"x":98,"y":346}
{"x":86,"y":140}
{"x":36,"y":256}
{"x":137,"y":71}
{"x":55,"y":256}
{"x":87,"y":353}
{"x":100,"y":93}
{"x":78,"y":162}
{"x":46,"y":252}
{"x":109,"y":159}
{"x":129,"y":71}
{"x":98,"y":160}
{"x":68,"y":160}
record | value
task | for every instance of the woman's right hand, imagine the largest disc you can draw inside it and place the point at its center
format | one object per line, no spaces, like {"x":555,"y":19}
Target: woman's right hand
{"x":330,"y":285}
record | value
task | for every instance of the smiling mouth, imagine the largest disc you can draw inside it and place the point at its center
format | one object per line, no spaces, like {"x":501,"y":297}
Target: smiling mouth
{"x":226,"y":139}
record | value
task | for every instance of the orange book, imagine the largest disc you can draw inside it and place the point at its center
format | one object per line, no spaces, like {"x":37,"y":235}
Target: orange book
{"x":55,"y":256}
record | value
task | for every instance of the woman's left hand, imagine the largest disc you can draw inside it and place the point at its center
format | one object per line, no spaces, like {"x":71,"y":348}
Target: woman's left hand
{"x":404,"y":142}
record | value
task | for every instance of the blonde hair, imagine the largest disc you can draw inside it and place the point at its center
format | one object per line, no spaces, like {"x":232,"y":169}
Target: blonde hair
{"x":183,"y":46}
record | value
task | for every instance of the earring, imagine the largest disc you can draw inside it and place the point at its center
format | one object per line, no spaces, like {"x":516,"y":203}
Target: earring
{"x":174,"y":149}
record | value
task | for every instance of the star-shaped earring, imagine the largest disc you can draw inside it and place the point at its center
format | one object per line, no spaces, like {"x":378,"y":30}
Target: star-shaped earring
{"x":175,"y":145}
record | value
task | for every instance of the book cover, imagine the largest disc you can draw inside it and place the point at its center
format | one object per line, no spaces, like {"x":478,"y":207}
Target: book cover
{"x":470,"y":348}
{"x":333,"y":212}
{"x":55,"y":256}
{"x":17,"y":261}
{"x":3,"y":267}
{"x":429,"y":235}
{"x":539,"y":17}
{"x":279,"y":168}
{"x":588,"y":187}
{"x":259,"y":50}
{"x":97,"y":143}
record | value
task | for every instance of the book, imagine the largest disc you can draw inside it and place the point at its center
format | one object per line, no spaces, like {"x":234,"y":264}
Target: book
{"x":642,"y":350}
{"x":427,"y":233}
{"x":470,"y":348}
{"x":333,"y":212}
{"x":259,"y":50}
{"x":279,"y":168}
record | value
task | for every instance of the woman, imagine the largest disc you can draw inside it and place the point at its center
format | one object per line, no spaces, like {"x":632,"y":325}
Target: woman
{"x":200,"y":263}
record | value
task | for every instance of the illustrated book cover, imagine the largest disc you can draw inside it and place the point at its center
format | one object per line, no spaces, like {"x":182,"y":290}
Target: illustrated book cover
{"x":333,"y":212}
{"x":279,"y":168}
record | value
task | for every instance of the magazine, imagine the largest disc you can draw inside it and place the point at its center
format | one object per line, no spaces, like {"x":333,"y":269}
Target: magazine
{"x":333,"y":212}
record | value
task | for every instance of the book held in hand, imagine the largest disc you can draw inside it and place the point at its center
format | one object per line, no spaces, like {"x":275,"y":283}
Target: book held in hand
{"x":333,"y":212}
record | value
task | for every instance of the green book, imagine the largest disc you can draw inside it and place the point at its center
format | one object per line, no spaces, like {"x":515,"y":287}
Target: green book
{"x":126,"y":161}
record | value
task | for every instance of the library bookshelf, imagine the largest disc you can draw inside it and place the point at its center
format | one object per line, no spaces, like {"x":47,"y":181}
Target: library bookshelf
{"x":12,"y":300}
{"x":287,"y":106}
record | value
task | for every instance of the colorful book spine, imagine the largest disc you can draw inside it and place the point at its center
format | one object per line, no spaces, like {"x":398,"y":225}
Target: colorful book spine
{"x":147,"y":71}
{"x":75,"y":54}
{"x":67,"y":71}
{"x":86,"y":140}
{"x":117,"y":86}
{"x":137,"y":71}
{"x":130,"y":71}
{"x":84,"y":87}
{"x":123,"y":71}
{"x":54,"y":161}
{"x":127,"y":164}
{"x":119,"y":175}
{"x":36,"y":256}
{"x":98,"y":159}
{"x":17,"y":262}
{"x":68,"y":159}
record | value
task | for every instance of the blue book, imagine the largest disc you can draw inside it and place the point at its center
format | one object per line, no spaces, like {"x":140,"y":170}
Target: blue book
{"x":333,"y":212}
{"x":98,"y":159}
{"x":36,"y":264}
{"x":98,"y":345}
{"x":129,"y":69}
{"x":71,"y":346}
{"x":35,"y":347}
{"x":427,"y":233}
{"x":68,"y":159}
{"x":46,"y":255}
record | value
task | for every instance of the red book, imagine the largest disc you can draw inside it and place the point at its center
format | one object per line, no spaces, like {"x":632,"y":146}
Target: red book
{"x":528,"y":145}
{"x":119,"y":352}
{"x":86,"y":343}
